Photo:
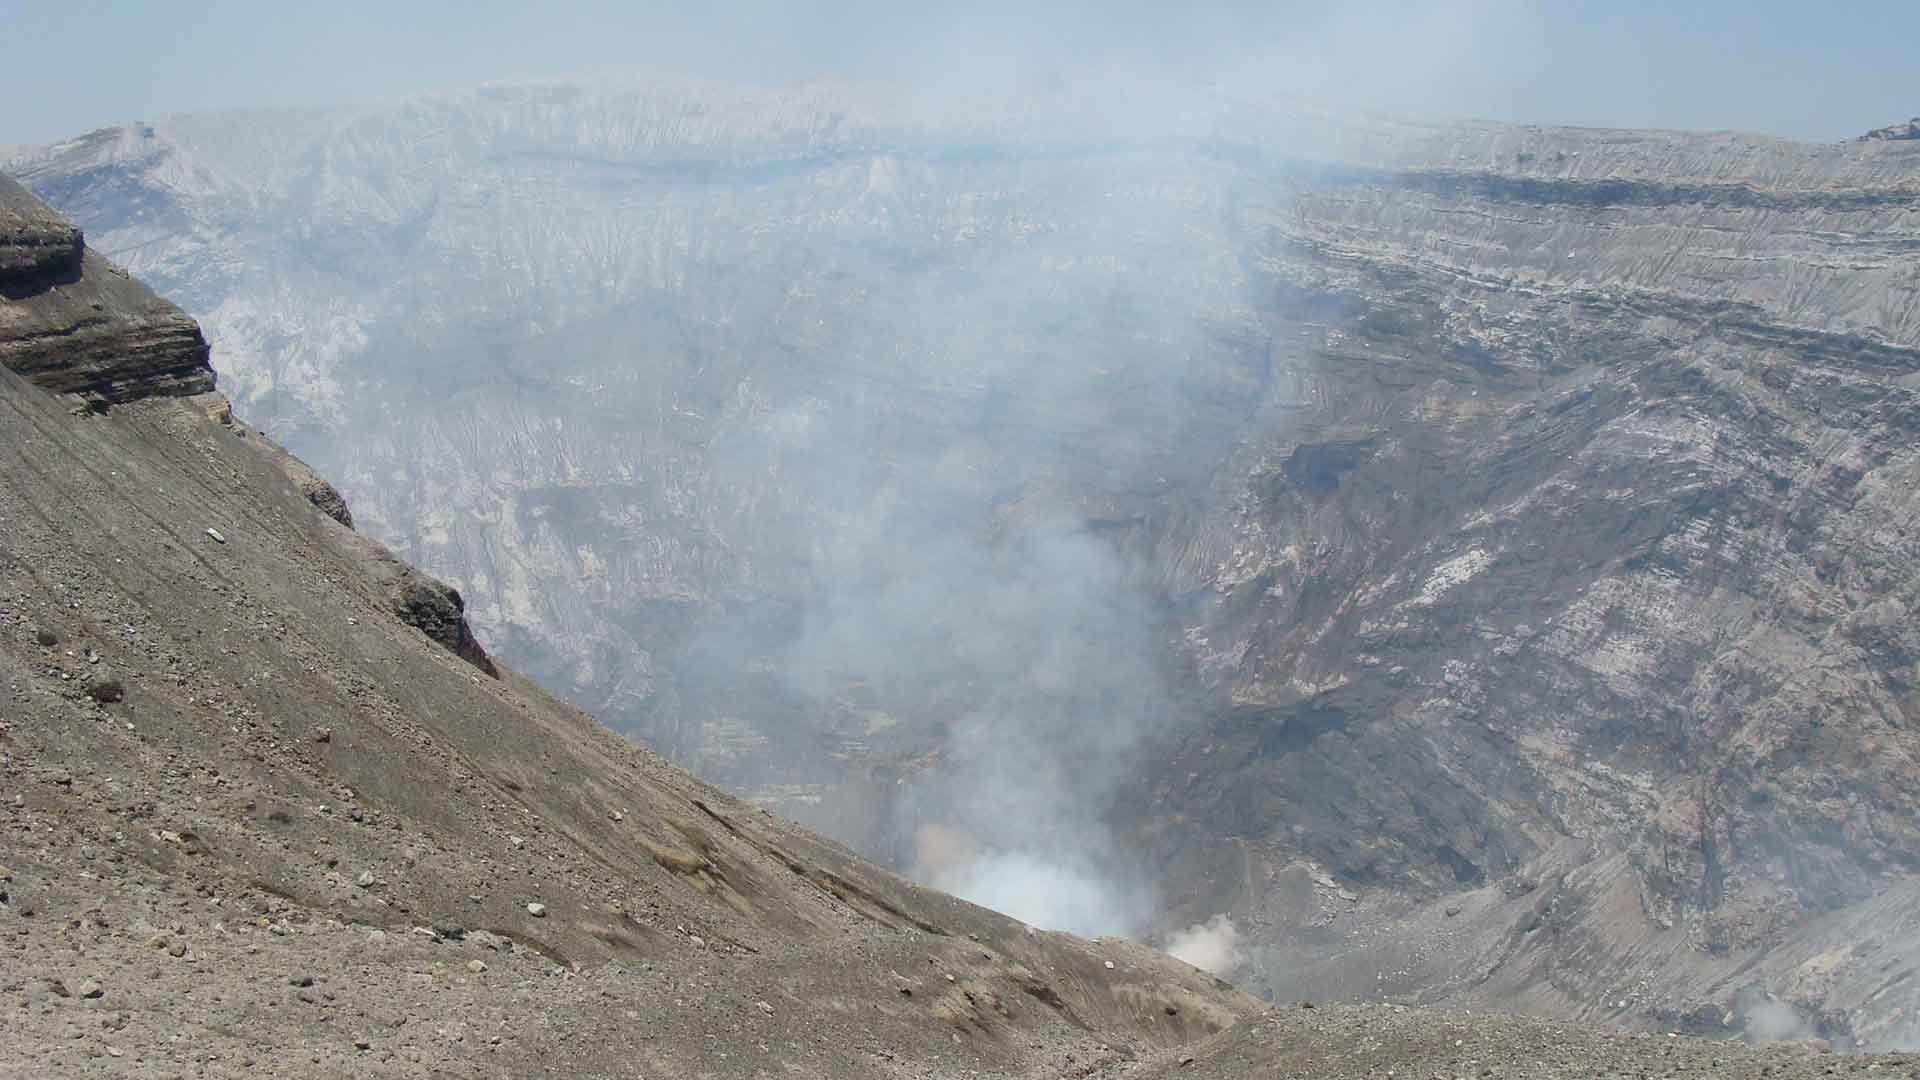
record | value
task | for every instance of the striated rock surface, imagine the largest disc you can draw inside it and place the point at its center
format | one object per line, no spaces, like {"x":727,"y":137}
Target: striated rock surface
{"x":1516,"y":524}
{"x":1584,"y":515}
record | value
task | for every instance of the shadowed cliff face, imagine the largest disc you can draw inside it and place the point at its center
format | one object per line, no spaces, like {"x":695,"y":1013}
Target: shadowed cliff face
{"x":1330,"y":524}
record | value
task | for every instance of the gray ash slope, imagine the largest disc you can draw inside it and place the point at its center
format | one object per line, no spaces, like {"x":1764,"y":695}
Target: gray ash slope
{"x":1520,"y":518}
{"x":262,"y":809}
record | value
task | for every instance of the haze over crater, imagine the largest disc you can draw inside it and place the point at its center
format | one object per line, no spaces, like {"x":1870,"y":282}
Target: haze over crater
{"x":1129,"y":507}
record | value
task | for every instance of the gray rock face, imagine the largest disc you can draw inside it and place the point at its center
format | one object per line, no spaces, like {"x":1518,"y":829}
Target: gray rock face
{"x":1513,"y":522}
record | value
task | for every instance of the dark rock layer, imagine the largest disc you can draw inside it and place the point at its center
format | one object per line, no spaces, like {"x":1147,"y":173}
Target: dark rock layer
{"x":37,"y":246}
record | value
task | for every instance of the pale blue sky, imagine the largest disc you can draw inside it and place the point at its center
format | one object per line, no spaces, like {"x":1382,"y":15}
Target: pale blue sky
{"x":1821,"y":71}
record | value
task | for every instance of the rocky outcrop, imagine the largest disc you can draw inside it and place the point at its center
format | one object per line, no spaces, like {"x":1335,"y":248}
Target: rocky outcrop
{"x":436,"y":610}
{"x":327,"y":499}
{"x":75,"y":323}
{"x":324,"y":496}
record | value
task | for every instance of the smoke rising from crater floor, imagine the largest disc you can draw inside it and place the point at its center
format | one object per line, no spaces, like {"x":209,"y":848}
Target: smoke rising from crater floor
{"x":1212,"y":946}
{"x":970,"y":579}
{"x":1455,"y":512}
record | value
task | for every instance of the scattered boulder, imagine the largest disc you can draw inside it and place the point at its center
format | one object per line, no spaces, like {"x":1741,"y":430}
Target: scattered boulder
{"x":537,"y":910}
{"x":106,"y":690}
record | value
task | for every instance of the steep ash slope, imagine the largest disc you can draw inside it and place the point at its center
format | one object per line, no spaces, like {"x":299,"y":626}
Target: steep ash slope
{"x":1432,"y":518}
{"x":250,"y":819}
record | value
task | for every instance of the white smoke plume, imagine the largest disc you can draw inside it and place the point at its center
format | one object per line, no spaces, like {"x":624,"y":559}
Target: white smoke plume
{"x":1212,"y":946}
{"x":1055,"y":893}
{"x":961,"y":541}
{"x":1046,"y":892}
{"x":1768,"y":1019}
